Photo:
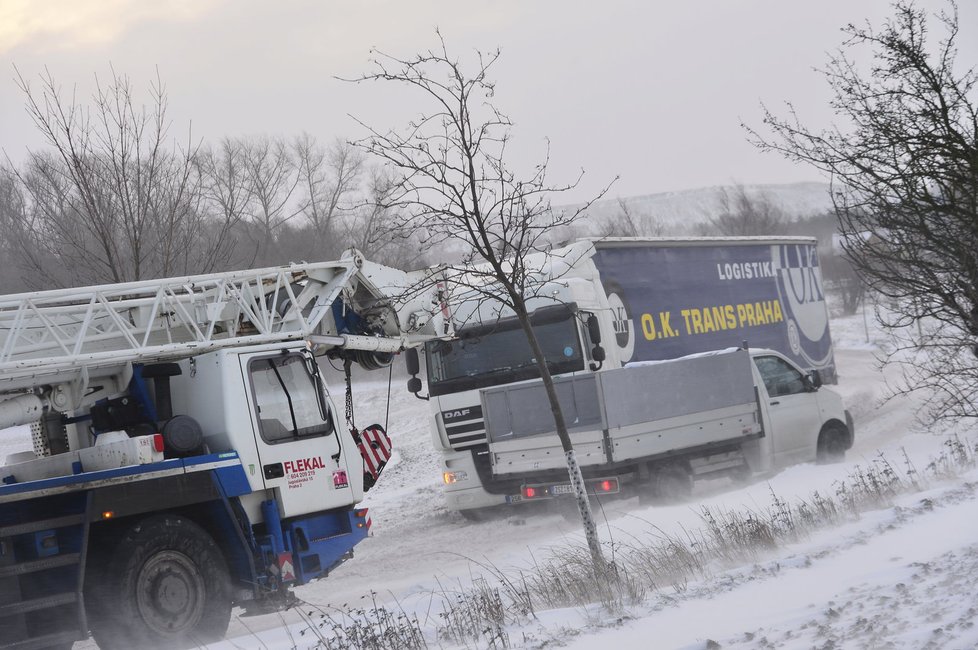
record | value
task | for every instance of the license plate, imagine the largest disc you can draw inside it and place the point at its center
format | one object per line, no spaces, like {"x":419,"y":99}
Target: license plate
{"x":514,"y":498}
{"x":562,"y":488}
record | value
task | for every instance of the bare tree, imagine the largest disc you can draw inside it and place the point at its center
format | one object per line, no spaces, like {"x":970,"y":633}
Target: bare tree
{"x":111,"y":200}
{"x":12,"y":217}
{"x":626,"y":222}
{"x":273,"y":177}
{"x":905,"y":170}
{"x":329,"y":177}
{"x":455,"y":185}
{"x":373,"y":227}
{"x":225,"y":192}
{"x":840,"y":275}
{"x":744,"y":214}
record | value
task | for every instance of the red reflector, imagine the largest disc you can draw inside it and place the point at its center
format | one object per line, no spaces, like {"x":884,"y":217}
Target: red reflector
{"x":158,"y":442}
{"x":607,"y":486}
{"x":529,"y":492}
{"x":361,"y":513}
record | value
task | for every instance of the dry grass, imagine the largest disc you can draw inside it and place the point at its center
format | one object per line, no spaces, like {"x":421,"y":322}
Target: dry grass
{"x":478,"y":614}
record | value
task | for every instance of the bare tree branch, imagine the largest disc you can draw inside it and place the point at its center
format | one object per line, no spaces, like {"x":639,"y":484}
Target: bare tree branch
{"x":111,"y":199}
{"x":904,"y":165}
{"x":454,"y":186}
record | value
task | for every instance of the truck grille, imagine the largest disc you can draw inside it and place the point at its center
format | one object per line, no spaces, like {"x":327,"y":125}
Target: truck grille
{"x":465,"y":427}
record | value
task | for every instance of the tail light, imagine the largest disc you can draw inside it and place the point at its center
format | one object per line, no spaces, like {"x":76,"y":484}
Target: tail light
{"x":607,"y":485}
{"x":361,"y":514}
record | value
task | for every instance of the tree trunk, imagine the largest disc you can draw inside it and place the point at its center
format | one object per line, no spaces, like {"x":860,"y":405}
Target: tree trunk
{"x":573,"y":469}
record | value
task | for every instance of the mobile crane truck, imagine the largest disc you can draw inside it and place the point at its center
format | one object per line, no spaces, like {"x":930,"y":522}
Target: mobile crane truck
{"x":187,"y":456}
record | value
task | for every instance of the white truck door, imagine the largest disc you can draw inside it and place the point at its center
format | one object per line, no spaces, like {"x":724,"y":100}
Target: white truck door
{"x":298,"y":449}
{"x":791,"y":409}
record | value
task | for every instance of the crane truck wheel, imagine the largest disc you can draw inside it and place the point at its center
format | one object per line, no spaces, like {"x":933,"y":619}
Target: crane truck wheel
{"x":832,"y":443}
{"x":165,"y":586}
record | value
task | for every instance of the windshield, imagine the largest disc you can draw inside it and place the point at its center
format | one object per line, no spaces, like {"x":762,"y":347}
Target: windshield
{"x":286,"y":399}
{"x":499,"y":354}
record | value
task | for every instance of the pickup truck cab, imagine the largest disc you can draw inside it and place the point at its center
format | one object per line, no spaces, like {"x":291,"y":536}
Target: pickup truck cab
{"x":805,"y":420}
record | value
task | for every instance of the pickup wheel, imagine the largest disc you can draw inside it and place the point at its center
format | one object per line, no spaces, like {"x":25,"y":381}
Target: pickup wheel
{"x":477,"y":515}
{"x":669,"y":483}
{"x":165,"y":586}
{"x":832,"y":444}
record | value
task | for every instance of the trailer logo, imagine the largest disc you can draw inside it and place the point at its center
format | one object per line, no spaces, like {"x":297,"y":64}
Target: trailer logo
{"x":745,"y":270}
{"x":621,"y":319}
{"x":803,"y":297}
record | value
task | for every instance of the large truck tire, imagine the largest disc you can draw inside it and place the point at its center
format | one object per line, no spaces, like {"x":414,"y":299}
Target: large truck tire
{"x":165,"y":586}
{"x":833,"y":441}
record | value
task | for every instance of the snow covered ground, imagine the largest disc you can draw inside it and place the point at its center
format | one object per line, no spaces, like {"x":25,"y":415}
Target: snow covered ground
{"x":898,"y":577}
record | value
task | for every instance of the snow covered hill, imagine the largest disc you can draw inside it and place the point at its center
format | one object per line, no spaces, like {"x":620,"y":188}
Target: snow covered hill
{"x":678,"y":212}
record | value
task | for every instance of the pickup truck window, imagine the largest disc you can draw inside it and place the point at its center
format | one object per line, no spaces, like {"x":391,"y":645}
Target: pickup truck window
{"x":780,"y":377}
{"x":286,"y":400}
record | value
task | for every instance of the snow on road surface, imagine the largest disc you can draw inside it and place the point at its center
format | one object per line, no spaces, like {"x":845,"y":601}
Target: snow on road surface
{"x":901,"y":577}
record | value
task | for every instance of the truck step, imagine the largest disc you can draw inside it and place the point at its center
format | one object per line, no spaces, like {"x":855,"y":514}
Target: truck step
{"x":42,"y":524}
{"x":33,"y":566}
{"x":46,"y":641}
{"x":38,"y":603}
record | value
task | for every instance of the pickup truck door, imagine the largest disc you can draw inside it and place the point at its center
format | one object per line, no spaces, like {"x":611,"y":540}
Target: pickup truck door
{"x":791,"y":408}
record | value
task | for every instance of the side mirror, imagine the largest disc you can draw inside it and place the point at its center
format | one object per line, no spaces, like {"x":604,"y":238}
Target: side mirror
{"x":815,"y":378}
{"x":412,"y":362}
{"x":413,"y":367}
{"x":597,"y":353}
{"x":594,"y":330}
{"x":594,"y":333}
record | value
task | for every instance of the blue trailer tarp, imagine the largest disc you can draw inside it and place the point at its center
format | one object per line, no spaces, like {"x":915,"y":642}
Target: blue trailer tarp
{"x":674,"y":299}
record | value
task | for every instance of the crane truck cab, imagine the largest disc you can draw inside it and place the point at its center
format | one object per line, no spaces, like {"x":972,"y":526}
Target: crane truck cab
{"x":187,"y":454}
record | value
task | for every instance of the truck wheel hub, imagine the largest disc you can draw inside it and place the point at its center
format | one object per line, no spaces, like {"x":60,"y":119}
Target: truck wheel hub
{"x":170,"y":593}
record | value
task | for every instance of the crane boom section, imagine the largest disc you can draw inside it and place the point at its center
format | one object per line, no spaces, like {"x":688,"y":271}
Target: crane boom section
{"x":51,"y":332}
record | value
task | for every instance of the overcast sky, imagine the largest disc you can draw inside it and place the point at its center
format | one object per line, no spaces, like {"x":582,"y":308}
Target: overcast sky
{"x":653,"y":92}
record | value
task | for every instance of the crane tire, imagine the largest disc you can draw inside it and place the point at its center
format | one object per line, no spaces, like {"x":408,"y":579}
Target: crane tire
{"x":165,"y":585}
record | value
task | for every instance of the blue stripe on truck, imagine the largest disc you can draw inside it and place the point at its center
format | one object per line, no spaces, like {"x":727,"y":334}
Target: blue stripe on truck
{"x":229,"y":461}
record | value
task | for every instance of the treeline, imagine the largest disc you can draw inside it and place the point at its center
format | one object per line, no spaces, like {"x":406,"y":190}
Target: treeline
{"x":116,"y":196}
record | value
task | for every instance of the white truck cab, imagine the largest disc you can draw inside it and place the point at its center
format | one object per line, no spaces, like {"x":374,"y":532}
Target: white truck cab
{"x":805,"y":421}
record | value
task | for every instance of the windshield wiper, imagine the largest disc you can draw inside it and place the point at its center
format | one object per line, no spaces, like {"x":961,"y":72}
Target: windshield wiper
{"x":288,"y":397}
